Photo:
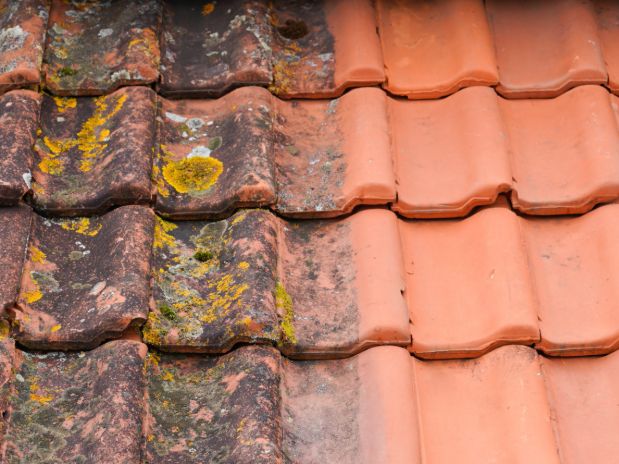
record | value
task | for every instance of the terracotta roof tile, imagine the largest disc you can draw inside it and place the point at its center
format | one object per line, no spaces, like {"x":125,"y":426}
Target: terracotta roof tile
{"x":246,"y":279}
{"x":607,"y":12}
{"x":94,"y":153}
{"x":95,"y":47}
{"x":22,"y":33}
{"x":14,"y":230}
{"x":432,"y":49}
{"x":84,"y":280}
{"x":19,"y":115}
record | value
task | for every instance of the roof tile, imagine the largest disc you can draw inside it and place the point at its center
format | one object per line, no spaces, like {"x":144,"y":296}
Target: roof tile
{"x":94,"y":153}
{"x":19,"y":115}
{"x":95,"y":47}
{"x":84,"y":280}
{"x":432,"y":49}
{"x":22,"y":33}
{"x":14,"y":230}
{"x":607,"y":12}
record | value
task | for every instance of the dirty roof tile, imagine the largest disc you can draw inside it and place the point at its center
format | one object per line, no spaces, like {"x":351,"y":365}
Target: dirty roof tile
{"x":95,"y":47}
{"x":432,"y":49}
{"x":14,"y":230}
{"x":85,"y":279}
{"x":77,"y":407}
{"x":234,"y":39}
{"x":545,"y":48}
{"x":94,"y":153}
{"x":573,"y":263}
{"x":22,"y":34}
{"x":255,"y":277}
{"x":468,"y":286}
{"x":19,"y":115}
{"x":607,"y":15}
{"x":491,"y":409}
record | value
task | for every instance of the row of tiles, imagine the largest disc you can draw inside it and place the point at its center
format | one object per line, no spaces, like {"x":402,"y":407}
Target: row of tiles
{"x":315,"y":289}
{"x":202,"y":159}
{"x":120,"y":404}
{"x":310,"y":48}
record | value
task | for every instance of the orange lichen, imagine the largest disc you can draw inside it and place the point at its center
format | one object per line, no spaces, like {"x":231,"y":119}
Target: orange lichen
{"x":41,"y":399}
{"x":208,"y":8}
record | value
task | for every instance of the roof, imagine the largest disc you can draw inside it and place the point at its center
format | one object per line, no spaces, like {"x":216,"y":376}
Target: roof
{"x":345,"y":231}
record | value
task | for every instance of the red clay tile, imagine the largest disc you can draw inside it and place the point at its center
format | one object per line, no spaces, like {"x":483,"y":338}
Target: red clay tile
{"x":564,"y":151}
{"x":19,"y":114}
{"x":96,"y":47}
{"x":432,"y":49}
{"x":584,"y":404}
{"x":78,"y":407}
{"x":94,"y":153}
{"x":491,"y":409}
{"x":14,"y":229}
{"x":607,"y":15}
{"x":84,"y":280}
{"x":573,"y":263}
{"x":22,"y":33}
{"x":545,"y":48}
{"x":468,"y":286}
{"x":450,"y":154}
{"x":215,"y":155}
{"x":257,"y":278}
{"x":210,"y":48}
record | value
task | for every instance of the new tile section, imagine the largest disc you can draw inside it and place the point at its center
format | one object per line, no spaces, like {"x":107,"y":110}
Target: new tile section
{"x":19,"y":117}
{"x":14,"y":231}
{"x":319,"y":288}
{"x":94,"y":153}
{"x":85,"y":279}
{"x":95,"y":47}
{"x":22,"y":34}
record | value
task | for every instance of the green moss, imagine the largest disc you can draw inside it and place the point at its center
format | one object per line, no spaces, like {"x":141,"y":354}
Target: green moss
{"x":283,"y":302}
{"x":168,"y":312}
{"x":203,"y":255}
{"x":214,"y":143}
{"x":66,"y":71}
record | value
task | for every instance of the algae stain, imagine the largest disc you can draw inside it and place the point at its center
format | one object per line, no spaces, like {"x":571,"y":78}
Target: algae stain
{"x":283,"y":302}
{"x":193,"y":174}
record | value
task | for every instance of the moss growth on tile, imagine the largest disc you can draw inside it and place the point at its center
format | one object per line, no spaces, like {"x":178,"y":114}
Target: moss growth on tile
{"x":203,"y":255}
{"x":168,"y":312}
{"x":283,"y":303}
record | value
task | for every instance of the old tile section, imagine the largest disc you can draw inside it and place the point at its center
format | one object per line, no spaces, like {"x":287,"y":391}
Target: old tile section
{"x":96,"y":47}
{"x":432,"y":49}
{"x":14,"y":229}
{"x":468,"y":286}
{"x":94,"y":153}
{"x":85,"y":279}
{"x":491,"y":409}
{"x":208,"y":48}
{"x":215,"y":409}
{"x":573,"y":263}
{"x":333,"y":155}
{"x":22,"y":34}
{"x":215,"y":155}
{"x":607,"y":15}
{"x":214,"y":283}
{"x":19,"y":114}
{"x":584,"y":404}
{"x":451,"y":155}
{"x":545,"y":48}
{"x":85,"y":407}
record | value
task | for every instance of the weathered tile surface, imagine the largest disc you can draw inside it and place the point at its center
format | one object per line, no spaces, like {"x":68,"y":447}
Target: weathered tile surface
{"x":14,"y":230}
{"x":85,"y":279}
{"x":22,"y":34}
{"x":19,"y":115}
{"x":94,"y":153}
{"x":95,"y":47}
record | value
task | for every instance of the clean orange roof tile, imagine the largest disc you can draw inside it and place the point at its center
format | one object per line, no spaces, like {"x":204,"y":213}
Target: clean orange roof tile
{"x":432,"y":49}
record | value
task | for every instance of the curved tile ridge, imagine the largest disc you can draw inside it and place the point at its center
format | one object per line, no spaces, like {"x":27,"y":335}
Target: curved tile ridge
{"x":93,"y":48}
{"x":14,"y":231}
{"x":22,"y":34}
{"x":84,"y":280}
{"x":257,"y":278}
{"x":432,"y":49}
{"x":94,"y":153}
{"x":556,"y":156}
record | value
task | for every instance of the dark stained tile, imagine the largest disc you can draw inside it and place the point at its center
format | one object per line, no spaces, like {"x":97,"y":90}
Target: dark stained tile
{"x":14,"y":230}
{"x":215,"y":155}
{"x":208,"y":48}
{"x":76,"y":407}
{"x":94,"y":153}
{"x":95,"y":47}
{"x":215,"y":409}
{"x":85,"y":279}
{"x":213,"y":283}
{"x":19,"y":114}
{"x":22,"y":35}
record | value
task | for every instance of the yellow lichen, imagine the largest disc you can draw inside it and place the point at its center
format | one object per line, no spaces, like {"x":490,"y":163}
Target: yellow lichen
{"x":63,"y":104}
{"x":225,"y":293}
{"x":152,"y":333}
{"x":208,"y":8}
{"x":52,"y":166}
{"x":243,"y":265}
{"x":34,"y":295}
{"x":283,"y":302}
{"x":161,"y":237}
{"x":168,"y":376}
{"x":193,"y":174}
{"x":34,"y":396}
{"x":36,"y":255}
{"x":82,"y":226}
{"x":56,"y":328}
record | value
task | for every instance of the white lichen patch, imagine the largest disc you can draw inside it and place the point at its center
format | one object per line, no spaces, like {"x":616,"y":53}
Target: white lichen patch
{"x":12,"y":38}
